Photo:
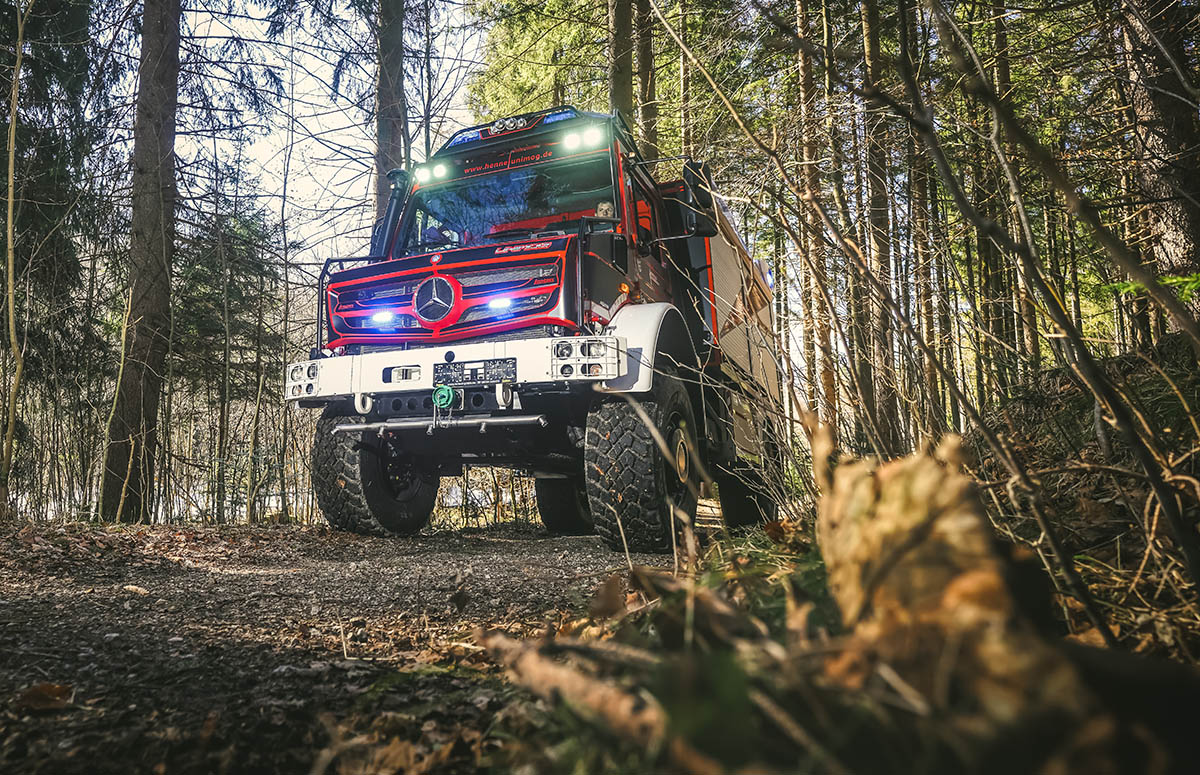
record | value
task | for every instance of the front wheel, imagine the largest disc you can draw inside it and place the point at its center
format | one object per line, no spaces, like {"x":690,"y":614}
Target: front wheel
{"x":634,"y":490}
{"x":364,"y":486}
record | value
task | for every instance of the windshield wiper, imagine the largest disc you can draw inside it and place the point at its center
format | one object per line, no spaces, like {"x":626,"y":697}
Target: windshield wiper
{"x":431,"y":244}
{"x":510,"y":233}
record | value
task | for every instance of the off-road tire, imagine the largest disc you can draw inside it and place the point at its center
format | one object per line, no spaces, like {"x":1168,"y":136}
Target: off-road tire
{"x":745,"y":500}
{"x":628,"y":478}
{"x":563,"y":505}
{"x":349,"y":475}
{"x":746,"y":494}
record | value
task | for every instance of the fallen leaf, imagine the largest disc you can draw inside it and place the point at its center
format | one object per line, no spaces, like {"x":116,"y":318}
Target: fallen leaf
{"x":135,"y":589}
{"x":45,"y":698}
{"x":610,"y":598}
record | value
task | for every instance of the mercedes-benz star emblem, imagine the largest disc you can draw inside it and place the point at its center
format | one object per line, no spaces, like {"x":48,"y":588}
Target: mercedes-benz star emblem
{"x":434,"y":299}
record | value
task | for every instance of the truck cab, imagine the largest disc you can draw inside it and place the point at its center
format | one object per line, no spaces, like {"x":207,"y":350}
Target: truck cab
{"x":534,"y":299}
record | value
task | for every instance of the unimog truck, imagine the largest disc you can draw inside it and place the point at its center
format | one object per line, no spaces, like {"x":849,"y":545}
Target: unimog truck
{"x":534,"y":299}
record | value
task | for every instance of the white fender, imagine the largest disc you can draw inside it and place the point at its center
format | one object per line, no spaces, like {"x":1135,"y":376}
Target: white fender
{"x":640,"y":326}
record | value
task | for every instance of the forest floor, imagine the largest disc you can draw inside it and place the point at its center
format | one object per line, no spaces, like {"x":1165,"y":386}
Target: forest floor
{"x":185,"y":649}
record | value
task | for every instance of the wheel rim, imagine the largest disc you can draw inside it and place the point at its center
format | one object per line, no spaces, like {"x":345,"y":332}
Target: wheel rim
{"x":680,"y":452}
{"x":679,"y":461}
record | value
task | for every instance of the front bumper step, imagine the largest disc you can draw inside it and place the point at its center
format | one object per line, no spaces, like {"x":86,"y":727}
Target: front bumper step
{"x":430,"y":425}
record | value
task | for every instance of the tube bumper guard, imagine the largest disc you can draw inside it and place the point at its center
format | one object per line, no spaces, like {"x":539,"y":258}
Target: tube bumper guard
{"x":513,"y":362}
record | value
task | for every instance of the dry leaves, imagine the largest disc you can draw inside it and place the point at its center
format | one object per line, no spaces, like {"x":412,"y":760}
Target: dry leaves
{"x":45,"y":698}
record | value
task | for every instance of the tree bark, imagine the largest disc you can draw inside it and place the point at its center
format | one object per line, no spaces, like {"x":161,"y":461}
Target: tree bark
{"x":1167,"y":130}
{"x":10,"y":286}
{"x":393,"y":143}
{"x":685,"y":84}
{"x":620,"y":56}
{"x":827,"y":408}
{"x":132,"y":431}
{"x":647,"y":85}
{"x":879,"y":235}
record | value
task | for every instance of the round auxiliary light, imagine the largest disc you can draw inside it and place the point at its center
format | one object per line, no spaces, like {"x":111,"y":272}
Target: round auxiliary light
{"x":297,"y":373}
{"x":592,"y":136}
{"x":423,"y":174}
{"x":571,"y":141}
{"x":567,"y":370}
{"x":439,"y":171}
{"x":562,"y":350}
{"x":312,"y":371}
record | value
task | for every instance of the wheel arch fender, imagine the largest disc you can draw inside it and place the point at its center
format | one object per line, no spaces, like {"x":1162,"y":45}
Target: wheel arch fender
{"x":656,"y":336}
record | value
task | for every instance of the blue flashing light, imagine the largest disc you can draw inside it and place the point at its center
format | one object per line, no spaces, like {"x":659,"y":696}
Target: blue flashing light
{"x":502,"y":302}
{"x":466,"y":136}
{"x":383,"y":318}
{"x":560,"y":115}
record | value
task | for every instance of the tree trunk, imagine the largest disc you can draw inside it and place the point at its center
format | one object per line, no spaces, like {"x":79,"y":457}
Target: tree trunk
{"x":13,"y":389}
{"x":1167,"y":130}
{"x":620,"y":56}
{"x":879,"y":235}
{"x":647,"y":86}
{"x":685,"y":84}
{"x":821,"y":315}
{"x":393,"y":144}
{"x":129,"y":457}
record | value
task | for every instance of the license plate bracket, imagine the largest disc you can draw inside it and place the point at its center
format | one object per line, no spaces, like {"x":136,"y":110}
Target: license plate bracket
{"x":484,"y":372}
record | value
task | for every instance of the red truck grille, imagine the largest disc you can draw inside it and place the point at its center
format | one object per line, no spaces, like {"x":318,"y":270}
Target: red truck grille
{"x":485,"y":295}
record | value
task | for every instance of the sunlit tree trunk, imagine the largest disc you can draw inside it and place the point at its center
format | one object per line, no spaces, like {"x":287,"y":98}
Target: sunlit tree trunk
{"x":13,"y":388}
{"x":647,"y":81}
{"x":827,"y":409}
{"x":1157,"y":35}
{"x":620,"y":57}
{"x":685,"y":84}
{"x":879,"y":235}
{"x":129,"y":459}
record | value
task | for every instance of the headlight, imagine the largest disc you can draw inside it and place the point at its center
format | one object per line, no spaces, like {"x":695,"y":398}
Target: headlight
{"x":567,"y":370}
{"x":562,"y":350}
{"x":312,"y":371}
{"x":592,"y":350}
{"x":297,"y":373}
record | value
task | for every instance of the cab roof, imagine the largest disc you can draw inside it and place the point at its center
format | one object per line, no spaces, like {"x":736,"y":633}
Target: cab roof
{"x":517,"y":127}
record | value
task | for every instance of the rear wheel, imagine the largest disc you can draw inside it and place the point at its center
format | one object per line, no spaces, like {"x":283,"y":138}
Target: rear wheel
{"x":748,"y":494}
{"x":632,"y":486}
{"x":363,"y":486}
{"x":563,"y":505}
{"x":745,"y":499}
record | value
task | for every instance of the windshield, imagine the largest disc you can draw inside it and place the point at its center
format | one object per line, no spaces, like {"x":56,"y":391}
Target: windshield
{"x":507,"y":205}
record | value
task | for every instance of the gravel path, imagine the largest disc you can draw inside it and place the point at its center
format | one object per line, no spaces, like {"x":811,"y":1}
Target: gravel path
{"x":168,"y":649}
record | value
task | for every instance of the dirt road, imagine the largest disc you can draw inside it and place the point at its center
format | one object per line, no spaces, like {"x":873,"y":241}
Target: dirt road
{"x":172,"y":650}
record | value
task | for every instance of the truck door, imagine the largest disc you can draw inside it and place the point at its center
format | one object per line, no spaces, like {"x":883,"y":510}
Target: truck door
{"x":648,"y":260}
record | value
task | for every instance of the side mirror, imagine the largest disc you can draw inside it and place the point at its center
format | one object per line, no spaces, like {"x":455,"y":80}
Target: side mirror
{"x":697,"y":218}
{"x":698,"y":178}
{"x":399,"y":180}
{"x":607,"y":246}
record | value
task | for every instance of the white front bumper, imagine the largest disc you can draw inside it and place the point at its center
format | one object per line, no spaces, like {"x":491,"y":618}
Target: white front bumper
{"x":397,"y":371}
